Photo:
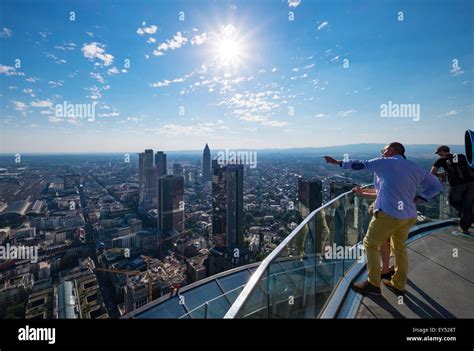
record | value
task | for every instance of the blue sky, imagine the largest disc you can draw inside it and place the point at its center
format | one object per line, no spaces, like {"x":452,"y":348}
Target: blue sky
{"x":174,"y":75}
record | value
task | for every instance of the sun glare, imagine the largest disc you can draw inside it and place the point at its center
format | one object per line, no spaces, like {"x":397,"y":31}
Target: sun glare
{"x":229,"y":49}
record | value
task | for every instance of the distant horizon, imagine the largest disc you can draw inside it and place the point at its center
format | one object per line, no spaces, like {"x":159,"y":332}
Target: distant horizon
{"x":455,"y":146}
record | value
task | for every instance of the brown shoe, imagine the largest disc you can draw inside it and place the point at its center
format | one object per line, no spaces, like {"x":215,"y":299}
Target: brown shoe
{"x":365,"y":288}
{"x":389,"y":285}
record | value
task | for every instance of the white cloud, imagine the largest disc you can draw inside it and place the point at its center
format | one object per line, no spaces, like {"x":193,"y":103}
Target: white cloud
{"x":171,"y":129}
{"x":90,"y":34}
{"x":321,"y":115}
{"x":200,"y":39}
{"x":44,"y":34}
{"x":53,"y":119}
{"x":42,"y":103}
{"x":335,"y":58}
{"x":112,"y":71}
{"x":451,"y":113}
{"x":19,"y":105}
{"x":96,"y":51}
{"x":323,"y":25}
{"x":151,"y":40}
{"x":98,"y":77}
{"x":111,"y":114}
{"x":27,"y":90}
{"x":294,"y":3}
{"x":6,"y":33}
{"x":55,"y":84}
{"x":274,"y":69}
{"x":171,"y":44}
{"x":32,"y":79}
{"x":346,"y":113}
{"x":456,"y":71}
{"x":148,"y":30}
{"x":10,"y":71}
{"x":95,"y":92}
{"x":66,"y":47}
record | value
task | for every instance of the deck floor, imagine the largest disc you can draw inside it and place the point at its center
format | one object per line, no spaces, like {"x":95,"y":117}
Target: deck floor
{"x":440,"y":281}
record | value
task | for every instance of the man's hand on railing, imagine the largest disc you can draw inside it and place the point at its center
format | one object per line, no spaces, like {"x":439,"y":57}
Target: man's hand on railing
{"x":331,"y":160}
{"x":358,"y":191}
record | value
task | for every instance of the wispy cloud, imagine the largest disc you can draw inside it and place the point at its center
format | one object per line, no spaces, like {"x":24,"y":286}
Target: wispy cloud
{"x":147,"y":30}
{"x":41,"y":103}
{"x":323,"y":25}
{"x":294,"y":3}
{"x":200,"y":38}
{"x":10,"y":71}
{"x":6,"y":33}
{"x":66,"y":47}
{"x":97,"y":76}
{"x":346,"y":113}
{"x":94,"y":51}
{"x":171,"y":44}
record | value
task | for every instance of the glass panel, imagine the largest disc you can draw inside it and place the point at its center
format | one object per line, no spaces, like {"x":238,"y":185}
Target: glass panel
{"x":233,"y":281}
{"x":217,"y":308}
{"x":200,"y":294}
{"x":256,"y":304}
{"x":232,"y":295}
{"x":198,"y":313}
{"x":167,"y":309}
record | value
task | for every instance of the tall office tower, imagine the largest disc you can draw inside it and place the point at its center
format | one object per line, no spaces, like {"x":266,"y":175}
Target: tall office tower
{"x":310,"y":195}
{"x":160,"y":163}
{"x":227,"y":198}
{"x":171,"y":204}
{"x":147,"y":188}
{"x":227,"y":218}
{"x":206,"y":164}
{"x":177,"y":169}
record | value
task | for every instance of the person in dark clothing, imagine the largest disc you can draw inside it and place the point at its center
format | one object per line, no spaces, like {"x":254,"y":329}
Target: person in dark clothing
{"x":461,"y":184}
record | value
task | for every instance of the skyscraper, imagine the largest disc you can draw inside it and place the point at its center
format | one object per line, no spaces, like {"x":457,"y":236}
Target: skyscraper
{"x":310,"y":195}
{"x":227,"y":218}
{"x":160,"y":163}
{"x":147,"y":185}
{"x":227,"y":198}
{"x":171,"y":204}
{"x":206,"y":164}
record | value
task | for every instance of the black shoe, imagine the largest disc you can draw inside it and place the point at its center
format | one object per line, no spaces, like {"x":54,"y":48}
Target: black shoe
{"x":365,"y":288}
{"x":388,"y":275}
{"x":389,"y":285}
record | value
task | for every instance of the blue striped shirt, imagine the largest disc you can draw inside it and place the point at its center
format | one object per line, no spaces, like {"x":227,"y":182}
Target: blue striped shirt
{"x":396,"y":182}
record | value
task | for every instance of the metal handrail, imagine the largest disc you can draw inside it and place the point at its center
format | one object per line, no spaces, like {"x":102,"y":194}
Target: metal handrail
{"x":258,"y":274}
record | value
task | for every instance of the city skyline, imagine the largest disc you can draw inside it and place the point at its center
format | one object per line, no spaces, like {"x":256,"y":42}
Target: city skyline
{"x":175,"y":75}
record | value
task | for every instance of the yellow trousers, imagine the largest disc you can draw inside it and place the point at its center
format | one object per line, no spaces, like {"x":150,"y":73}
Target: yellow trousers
{"x":382,"y":227}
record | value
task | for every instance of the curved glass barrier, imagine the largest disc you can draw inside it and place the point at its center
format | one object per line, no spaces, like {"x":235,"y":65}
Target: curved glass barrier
{"x":298,"y":277}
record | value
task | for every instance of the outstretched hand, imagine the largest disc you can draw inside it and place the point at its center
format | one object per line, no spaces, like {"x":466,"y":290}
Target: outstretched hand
{"x":331,"y":160}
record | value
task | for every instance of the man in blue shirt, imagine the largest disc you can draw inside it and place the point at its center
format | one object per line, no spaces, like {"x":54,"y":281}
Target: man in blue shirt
{"x":397,"y":181}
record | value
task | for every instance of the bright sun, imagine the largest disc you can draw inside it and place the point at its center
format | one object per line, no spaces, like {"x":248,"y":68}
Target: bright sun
{"x":228,"y":48}
{"x":229,"y":52}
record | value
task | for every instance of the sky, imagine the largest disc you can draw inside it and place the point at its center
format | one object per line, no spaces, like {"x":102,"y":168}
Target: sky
{"x":174,"y":75}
